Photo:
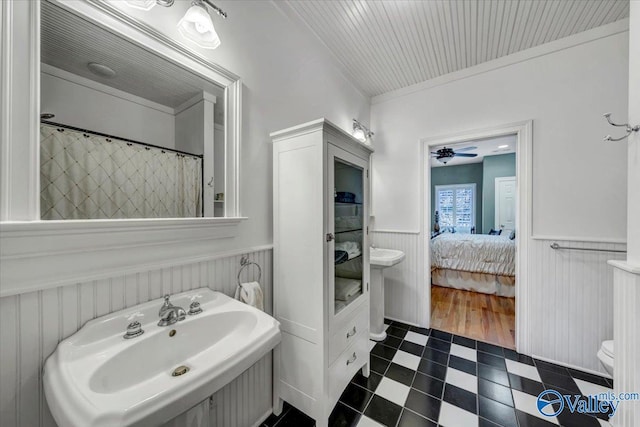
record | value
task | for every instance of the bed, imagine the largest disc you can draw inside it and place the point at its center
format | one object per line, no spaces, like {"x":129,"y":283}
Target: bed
{"x":474,"y":262}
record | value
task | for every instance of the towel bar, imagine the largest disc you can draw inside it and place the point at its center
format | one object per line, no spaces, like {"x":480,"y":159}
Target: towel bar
{"x":557,"y":246}
{"x":244,"y":262}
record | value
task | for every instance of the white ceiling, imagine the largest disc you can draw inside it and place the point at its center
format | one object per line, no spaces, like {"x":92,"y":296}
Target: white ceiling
{"x":486,"y":147}
{"x":69,"y":42}
{"x":386,"y":45}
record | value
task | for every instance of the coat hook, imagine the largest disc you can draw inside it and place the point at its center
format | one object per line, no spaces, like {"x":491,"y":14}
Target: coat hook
{"x":629,"y":129}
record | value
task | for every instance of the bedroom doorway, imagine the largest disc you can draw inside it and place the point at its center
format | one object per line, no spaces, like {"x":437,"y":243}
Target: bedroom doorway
{"x":474,"y":200}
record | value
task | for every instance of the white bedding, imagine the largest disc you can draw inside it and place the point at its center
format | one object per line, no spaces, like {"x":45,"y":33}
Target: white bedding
{"x":479,"y":253}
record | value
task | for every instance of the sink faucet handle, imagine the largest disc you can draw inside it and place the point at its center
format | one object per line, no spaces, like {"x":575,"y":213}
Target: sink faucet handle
{"x":194,"y":308}
{"x":134,"y":329}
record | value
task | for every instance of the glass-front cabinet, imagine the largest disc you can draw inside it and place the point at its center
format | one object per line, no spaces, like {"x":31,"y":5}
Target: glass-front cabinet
{"x":320,"y":264}
{"x":347,"y":206}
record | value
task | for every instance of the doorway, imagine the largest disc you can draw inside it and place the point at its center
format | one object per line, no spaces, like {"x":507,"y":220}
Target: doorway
{"x":474,"y":246}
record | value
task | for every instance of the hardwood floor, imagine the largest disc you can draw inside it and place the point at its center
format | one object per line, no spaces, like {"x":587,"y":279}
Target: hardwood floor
{"x":479,"y":316}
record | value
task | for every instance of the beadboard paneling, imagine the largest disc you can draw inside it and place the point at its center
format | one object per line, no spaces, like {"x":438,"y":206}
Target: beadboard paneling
{"x":243,"y":402}
{"x":570,"y":295}
{"x":32,"y":324}
{"x":571,"y":301}
{"x":386,"y":45}
{"x":626,"y":373}
{"x":403,"y":289}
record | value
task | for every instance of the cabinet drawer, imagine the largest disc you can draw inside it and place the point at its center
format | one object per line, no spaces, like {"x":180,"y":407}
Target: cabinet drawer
{"x":346,"y":366}
{"x":348,"y":333}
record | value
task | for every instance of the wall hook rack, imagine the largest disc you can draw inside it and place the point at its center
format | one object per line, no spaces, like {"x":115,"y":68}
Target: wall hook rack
{"x":630,"y":129}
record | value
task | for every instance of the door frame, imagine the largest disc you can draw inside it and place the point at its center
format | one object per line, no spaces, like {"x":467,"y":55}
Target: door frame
{"x":524,"y":187}
{"x":496,"y":182}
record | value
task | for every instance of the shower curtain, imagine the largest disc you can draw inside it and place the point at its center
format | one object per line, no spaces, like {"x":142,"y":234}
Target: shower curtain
{"x":84,"y":176}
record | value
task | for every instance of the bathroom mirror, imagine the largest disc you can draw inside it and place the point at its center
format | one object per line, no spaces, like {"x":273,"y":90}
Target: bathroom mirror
{"x":126,"y":132}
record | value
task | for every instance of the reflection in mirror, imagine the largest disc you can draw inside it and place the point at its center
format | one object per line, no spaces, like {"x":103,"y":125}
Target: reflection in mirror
{"x":125,"y":133}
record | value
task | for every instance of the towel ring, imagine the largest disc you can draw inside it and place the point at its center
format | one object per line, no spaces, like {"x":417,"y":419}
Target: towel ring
{"x":244,"y":262}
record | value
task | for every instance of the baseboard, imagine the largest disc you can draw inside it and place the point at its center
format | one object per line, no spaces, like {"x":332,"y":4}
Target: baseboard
{"x":568,"y":365}
{"x":404,"y":321}
{"x":262,"y":418}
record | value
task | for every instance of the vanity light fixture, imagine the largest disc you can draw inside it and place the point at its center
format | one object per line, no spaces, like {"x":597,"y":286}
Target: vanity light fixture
{"x":361,"y":132}
{"x":196,"y":24}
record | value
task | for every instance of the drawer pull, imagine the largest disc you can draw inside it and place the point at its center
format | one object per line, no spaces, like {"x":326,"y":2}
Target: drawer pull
{"x":352,"y":332}
{"x":352,"y":359}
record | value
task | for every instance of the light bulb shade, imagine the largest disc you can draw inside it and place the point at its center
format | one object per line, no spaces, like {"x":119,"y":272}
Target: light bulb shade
{"x":141,"y":4}
{"x":359,"y":134}
{"x":196,"y":25}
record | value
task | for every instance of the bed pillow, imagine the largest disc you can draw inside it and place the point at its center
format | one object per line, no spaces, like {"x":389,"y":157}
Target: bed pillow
{"x":493,"y":232}
{"x":512,"y":235}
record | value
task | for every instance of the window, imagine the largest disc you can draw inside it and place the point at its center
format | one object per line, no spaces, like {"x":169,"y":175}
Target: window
{"x":456,"y":205}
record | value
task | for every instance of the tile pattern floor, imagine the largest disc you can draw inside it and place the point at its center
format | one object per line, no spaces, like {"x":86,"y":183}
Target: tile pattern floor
{"x":422,"y":377}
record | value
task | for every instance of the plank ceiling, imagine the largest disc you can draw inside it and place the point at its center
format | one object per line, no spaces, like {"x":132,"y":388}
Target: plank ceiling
{"x":387,"y":45}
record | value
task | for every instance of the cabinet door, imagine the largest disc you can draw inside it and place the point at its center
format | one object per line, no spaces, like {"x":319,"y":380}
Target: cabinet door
{"x":347,"y":221}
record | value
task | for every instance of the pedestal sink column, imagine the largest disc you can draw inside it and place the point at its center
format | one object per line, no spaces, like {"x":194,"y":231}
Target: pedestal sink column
{"x":376,"y":326}
{"x":380,"y":259}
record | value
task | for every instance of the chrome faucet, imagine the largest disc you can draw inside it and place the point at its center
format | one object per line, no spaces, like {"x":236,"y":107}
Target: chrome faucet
{"x":169,"y":313}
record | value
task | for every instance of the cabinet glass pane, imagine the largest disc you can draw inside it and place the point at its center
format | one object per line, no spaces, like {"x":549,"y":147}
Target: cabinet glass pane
{"x":348,"y":227}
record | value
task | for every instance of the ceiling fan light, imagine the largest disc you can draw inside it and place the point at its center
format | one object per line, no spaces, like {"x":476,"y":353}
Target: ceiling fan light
{"x":197,"y":26}
{"x":141,"y":4}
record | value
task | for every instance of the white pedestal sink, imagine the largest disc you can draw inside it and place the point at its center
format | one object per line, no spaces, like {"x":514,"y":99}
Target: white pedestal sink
{"x":98,"y":378}
{"x":379,"y":260}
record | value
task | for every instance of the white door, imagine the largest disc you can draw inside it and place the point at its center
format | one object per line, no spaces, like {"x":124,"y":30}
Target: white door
{"x":505,"y":204}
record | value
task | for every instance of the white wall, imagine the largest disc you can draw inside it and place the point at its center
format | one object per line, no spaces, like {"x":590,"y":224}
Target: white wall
{"x":579,"y":182}
{"x":190,"y":129}
{"x":288,"y":79}
{"x":84,"y":107}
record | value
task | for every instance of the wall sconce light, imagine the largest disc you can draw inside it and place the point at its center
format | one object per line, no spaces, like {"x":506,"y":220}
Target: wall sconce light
{"x":196,"y":25}
{"x":361,"y":132}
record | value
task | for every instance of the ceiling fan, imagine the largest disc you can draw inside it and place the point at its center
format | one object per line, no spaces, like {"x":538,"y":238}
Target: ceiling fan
{"x":444,"y":155}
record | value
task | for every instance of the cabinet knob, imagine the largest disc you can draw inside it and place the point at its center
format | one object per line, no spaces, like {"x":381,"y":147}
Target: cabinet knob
{"x":352,"y":332}
{"x":330,"y":237}
{"x":352,"y":359}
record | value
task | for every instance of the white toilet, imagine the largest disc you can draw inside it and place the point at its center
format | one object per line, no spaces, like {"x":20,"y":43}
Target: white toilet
{"x":605,"y":354}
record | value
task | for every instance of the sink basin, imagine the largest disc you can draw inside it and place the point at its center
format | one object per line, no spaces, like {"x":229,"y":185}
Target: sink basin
{"x":98,"y":378}
{"x":385,"y":257}
{"x":380,"y":259}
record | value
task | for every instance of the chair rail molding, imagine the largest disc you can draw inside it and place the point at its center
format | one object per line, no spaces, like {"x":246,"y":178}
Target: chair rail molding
{"x":44,"y":254}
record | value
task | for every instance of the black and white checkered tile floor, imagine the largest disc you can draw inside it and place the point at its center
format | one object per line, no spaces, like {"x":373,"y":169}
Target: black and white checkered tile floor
{"x":421,"y":377}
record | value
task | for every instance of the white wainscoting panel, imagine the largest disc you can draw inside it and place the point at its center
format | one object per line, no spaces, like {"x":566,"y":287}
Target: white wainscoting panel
{"x":403,"y":287}
{"x":571,"y":301}
{"x":32,"y":324}
{"x":570,"y":295}
{"x":626,"y":372}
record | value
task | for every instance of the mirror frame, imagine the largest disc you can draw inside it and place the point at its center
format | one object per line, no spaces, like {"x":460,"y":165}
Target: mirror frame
{"x":73,"y":251}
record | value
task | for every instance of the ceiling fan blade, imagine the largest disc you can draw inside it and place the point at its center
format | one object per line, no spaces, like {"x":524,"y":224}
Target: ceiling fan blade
{"x":465,"y":149}
{"x":465,"y":155}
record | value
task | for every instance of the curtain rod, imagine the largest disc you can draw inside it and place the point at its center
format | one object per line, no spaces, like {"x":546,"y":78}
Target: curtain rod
{"x":46,"y":122}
